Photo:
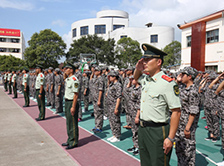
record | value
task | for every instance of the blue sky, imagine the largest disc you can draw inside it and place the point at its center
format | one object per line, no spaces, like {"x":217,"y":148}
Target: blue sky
{"x":32,"y":16}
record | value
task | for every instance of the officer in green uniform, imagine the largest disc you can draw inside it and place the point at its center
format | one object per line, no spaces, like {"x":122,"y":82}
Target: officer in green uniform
{"x":40,"y":93}
{"x":159,"y":95}
{"x":71,"y":106}
{"x":6,"y":81}
{"x":14,"y":83}
{"x":25,"y":86}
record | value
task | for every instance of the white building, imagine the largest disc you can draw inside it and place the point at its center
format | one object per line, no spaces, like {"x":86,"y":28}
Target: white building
{"x":203,"y":43}
{"x":115,"y":24}
{"x":12,"y":42}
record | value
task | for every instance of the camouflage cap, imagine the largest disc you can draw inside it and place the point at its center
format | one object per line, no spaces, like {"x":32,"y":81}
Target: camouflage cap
{"x":113,"y":73}
{"x":50,"y":68}
{"x":57,"y":70}
{"x":97,"y":68}
{"x":152,"y":52}
{"x":130,"y":68}
{"x":190,"y":71}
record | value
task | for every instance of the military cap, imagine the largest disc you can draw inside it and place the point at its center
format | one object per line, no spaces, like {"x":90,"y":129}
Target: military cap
{"x":57,"y":69}
{"x":98,"y":68}
{"x":212,"y":76}
{"x":122,"y":69}
{"x":190,"y":71}
{"x":113,"y":73}
{"x":76,"y":64}
{"x":50,"y":68}
{"x":152,"y":52}
{"x":26,"y":69}
{"x":94,"y":65}
{"x":70,"y":65}
{"x":130,"y":68}
{"x":39,"y":67}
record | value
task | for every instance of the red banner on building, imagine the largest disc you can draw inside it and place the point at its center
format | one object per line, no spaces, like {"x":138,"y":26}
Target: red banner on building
{"x":9,"y":32}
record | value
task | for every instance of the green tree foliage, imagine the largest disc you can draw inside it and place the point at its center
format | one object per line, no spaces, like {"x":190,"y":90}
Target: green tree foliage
{"x":173,"y":51}
{"x":45,"y":48}
{"x":128,"y":52}
{"x":11,"y":62}
{"x":92,"y":44}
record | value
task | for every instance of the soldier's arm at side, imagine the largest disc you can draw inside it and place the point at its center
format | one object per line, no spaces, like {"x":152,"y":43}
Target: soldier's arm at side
{"x":75,"y":98}
{"x":174,"y":122}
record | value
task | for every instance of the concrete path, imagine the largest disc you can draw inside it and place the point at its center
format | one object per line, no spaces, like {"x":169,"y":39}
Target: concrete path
{"x":23,"y":142}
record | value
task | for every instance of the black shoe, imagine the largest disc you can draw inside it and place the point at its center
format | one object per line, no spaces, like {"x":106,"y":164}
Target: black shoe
{"x":9,"y":93}
{"x":14,"y":97}
{"x":92,"y":114}
{"x":65,"y":144}
{"x":52,"y":107}
{"x":38,"y":119}
{"x":71,"y":147}
{"x":25,"y":106}
{"x":136,"y":152}
{"x":214,"y":140}
{"x":48,"y":105}
{"x":208,"y":138}
{"x":132,"y":149}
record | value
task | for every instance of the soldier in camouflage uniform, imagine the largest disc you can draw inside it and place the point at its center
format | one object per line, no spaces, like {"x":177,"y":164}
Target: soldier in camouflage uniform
{"x":185,"y":135}
{"x":114,"y":95}
{"x":58,"y":94}
{"x":51,"y":87}
{"x":85,"y":90}
{"x":134,"y":88}
{"x":47,"y":83}
{"x":98,"y":93}
{"x":126,"y":95}
{"x":105,"y":72}
{"x":9,"y":79}
{"x":210,"y":108}
{"x":14,"y":83}
{"x":92,"y":77}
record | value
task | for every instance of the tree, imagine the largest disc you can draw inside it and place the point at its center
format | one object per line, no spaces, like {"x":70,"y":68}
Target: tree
{"x":173,"y":51}
{"x":128,"y":52}
{"x":92,"y":44}
{"x":11,"y":62}
{"x":45,"y":48}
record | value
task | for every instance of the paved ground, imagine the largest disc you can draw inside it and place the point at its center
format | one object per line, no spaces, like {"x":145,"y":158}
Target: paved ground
{"x":46,"y":136}
{"x":24,"y":142}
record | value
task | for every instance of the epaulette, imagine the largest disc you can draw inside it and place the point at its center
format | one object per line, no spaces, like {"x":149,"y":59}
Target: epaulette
{"x":165,"y":77}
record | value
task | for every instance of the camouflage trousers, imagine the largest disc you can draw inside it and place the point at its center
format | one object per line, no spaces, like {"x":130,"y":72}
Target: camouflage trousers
{"x":134,"y":127}
{"x":212,"y":121}
{"x":105,"y":107}
{"x":86,"y":102}
{"x":115,"y":122}
{"x":48,"y":98}
{"x":98,"y":114}
{"x":127,"y":111}
{"x":59,"y":103}
{"x":186,"y":152}
{"x":80,"y":108}
{"x":52,"y":98}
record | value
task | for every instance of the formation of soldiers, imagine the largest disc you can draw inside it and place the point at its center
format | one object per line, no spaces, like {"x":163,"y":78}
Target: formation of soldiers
{"x":114,"y":92}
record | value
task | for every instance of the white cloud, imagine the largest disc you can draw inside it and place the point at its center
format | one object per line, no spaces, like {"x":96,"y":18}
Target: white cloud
{"x":168,"y":12}
{"x":67,"y":39}
{"x":20,"y":5}
{"x":60,"y":23}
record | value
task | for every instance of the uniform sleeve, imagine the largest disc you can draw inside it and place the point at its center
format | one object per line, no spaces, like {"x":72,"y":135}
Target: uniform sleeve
{"x":41,"y":79}
{"x":141,"y":78}
{"x":101,"y":84}
{"x":25,"y":78}
{"x":194,"y":102}
{"x":171,"y":97}
{"x":86,"y":83}
{"x":75,"y":86}
{"x":119,"y":91}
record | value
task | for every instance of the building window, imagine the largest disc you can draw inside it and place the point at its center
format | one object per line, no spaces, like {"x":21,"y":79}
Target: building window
{"x":14,"y":50}
{"x":74,"y":32}
{"x":84,"y":30}
{"x":2,"y":39}
{"x":154,"y":38}
{"x":14,"y":40}
{"x":188,"y":41}
{"x":117,"y":26}
{"x":212,"y":36}
{"x":123,"y":36}
{"x":100,"y":29}
{"x":2,"y":49}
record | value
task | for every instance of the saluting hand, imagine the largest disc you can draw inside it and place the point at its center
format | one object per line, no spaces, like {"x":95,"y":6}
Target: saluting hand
{"x":167,"y":146}
{"x":140,"y":65}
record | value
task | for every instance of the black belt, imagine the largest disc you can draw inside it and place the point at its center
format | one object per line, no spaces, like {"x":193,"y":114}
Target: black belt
{"x":68,"y":100}
{"x":37,"y":89}
{"x":151,"y":124}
